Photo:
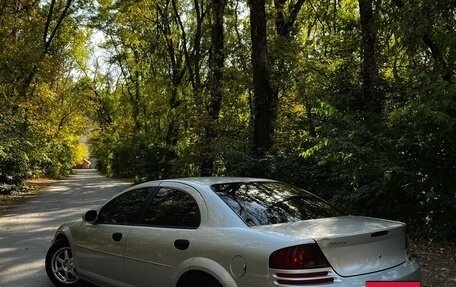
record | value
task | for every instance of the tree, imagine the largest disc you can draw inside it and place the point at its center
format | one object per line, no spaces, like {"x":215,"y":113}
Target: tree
{"x":217,"y":59}
{"x":348,"y":98}
{"x":371,"y":99}
{"x":41,"y":118}
{"x":263,"y":94}
{"x":177,"y":68}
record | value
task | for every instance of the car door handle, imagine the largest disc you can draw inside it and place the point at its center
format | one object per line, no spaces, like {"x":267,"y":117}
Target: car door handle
{"x":117,"y":236}
{"x":181,"y":244}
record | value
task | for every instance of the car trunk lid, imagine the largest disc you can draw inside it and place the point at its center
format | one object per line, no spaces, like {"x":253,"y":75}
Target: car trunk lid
{"x":353,"y":245}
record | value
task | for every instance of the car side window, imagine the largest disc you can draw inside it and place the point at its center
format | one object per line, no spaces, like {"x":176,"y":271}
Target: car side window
{"x":125,"y":208}
{"x":173,"y":208}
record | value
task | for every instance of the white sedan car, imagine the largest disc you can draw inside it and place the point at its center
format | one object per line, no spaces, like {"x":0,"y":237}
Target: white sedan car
{"x":230,"y":232}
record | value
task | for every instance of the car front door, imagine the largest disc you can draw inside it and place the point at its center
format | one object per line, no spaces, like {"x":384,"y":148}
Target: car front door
{"x":99,"y":247}
{"x":165,"y":241}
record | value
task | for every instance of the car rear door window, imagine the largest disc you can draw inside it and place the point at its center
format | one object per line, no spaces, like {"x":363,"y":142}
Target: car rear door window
{"x":172,"y":208}
{"x":125,"y":208}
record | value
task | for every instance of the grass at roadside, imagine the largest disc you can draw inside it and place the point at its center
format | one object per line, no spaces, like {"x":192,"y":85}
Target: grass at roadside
{"x":16,"y":198}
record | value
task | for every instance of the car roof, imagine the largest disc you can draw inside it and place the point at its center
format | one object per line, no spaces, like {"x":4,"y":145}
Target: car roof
{"x":211,"y":180}
{"x":204,"y":182}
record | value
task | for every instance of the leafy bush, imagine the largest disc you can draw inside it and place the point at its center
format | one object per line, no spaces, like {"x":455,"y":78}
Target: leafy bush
{"x":135,"y":158}
{"x":402,"y":168}
{"x":237,"y":163}
{"x":14,"y":167}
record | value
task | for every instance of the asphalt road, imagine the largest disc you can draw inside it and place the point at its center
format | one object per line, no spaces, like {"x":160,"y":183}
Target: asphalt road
{"x":26,"y":231}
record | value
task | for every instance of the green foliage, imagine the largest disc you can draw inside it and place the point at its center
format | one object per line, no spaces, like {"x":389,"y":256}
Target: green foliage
{"x":148,"y":104}
{"x":405,"y":170}
{"x":13,"y":168}
{"x":290,"y":168}
{"x":142,"y":161}
{"x":59,"y":162}
{"x":396,"y":163}
{"x":134,"y":158}
{"x":41,"y":118}
{"x":426,"y":148}
{"x":237,"y":163}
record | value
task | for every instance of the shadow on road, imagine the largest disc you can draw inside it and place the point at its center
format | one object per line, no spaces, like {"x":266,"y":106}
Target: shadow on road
{"x":27,"y":230}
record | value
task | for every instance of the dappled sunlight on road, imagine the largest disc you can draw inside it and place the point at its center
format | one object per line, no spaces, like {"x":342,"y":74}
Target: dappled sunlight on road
{"x":18,"y":271}
{"x":58,"y":188}
{"x":27,"y":230}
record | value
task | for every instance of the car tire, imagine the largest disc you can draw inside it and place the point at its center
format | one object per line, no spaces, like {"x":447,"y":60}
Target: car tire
{"x":199,"y":279}
{"x":59,"y":265}
{"x":206,"y":281}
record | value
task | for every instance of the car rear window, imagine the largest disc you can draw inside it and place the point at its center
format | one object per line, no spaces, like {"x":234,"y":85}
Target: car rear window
{"x":264,"y":203}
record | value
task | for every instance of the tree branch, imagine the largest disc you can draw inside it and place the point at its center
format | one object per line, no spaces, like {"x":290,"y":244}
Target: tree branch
{"x":57,"y":26}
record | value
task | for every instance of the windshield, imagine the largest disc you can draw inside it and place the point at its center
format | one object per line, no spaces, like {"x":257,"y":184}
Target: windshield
{"x":264,"y":203}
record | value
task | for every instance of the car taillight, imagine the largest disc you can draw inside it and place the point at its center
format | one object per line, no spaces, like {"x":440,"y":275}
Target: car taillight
{"x":298,"y":257}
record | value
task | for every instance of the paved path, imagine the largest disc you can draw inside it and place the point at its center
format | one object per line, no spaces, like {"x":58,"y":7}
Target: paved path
{"x":26,"y":231}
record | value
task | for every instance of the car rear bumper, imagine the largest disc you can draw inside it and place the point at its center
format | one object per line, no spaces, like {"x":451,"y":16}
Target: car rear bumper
{"x":407,"y":271}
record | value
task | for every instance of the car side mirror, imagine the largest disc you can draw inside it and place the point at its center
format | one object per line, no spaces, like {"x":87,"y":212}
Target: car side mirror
{"x":90,"y":216}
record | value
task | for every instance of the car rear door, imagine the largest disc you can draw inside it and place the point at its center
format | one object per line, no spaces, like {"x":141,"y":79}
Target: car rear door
{"x":163,"y":244}
{"x":99,"y":247}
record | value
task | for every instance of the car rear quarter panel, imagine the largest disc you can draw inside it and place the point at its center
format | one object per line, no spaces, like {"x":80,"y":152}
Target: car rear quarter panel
{"x":217,"y":247}
{"x":223,"y":236}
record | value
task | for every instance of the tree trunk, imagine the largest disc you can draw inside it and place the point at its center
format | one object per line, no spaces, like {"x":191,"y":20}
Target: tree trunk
{"x":217,"y":60}
{"x":284,"y":24}
{"x":48,"y":38}
{"x":194,"y":54}
{"x":439,"y":58}
{"x":263,"y":126}
{"x":177,"y":67}
{"x":371,"y":101}
{"x":286,"y":14}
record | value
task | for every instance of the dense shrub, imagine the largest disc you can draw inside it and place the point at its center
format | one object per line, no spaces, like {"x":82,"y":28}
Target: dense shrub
{"x":21,"y":160}
{"x":14,"y":168}
{"x":134,"y":158}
